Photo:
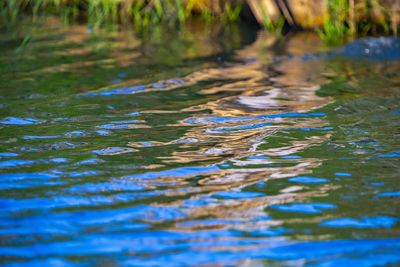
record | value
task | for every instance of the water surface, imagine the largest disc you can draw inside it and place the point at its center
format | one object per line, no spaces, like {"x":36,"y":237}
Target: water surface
{"x":205,"y":146}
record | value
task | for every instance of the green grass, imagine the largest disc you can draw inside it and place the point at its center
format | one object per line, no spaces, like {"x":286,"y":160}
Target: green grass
{"x":339,"y":26}
{"x":269,"y":24}
{"x":142,"y":13}
{"x":336,"y":27}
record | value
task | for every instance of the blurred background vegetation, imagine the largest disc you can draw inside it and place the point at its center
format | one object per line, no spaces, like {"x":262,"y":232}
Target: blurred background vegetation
{"x":334,"y":20}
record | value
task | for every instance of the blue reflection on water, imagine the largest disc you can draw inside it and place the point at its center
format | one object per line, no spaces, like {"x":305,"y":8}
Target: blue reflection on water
{"x":76,"y":173}
{"x":15,"y":163}
{"x":88,"y":161}
{"x":119,"y":91}
{"x":146,"y":143}
{"x":308,"y":180}
{"x":258,"y":157}
{"x":27,"y":184}
{"x":305,"y":207}
{"x":365,"y":222}
{"x":18,"y":121}
{"x":115,"y":126}
{"x":75,"y":133}
{"x":22,"y":176}
{"x":102,"y":132}
{"x":158,"y":86}
{"x":113,"y":150}
{"x":179,"y":172}
{"x":342,"y":174}
{"x":237,"y":195}
{"x":242,"y":119}
{"x":291,"y":157}
{"x":270,"y":232}
{"x":14,"y":205}
{"x":377,"y":184}
{"x":390,"y":194}
{"x":8,"y":154}
{"x":369,"y":252}
{"x":59,"y":160}
{"x":43,"y":263}
{"x":113,"y":185}
{"x":389,"y":156}
{"x":73,"y":222}
{"x":316,"y":128}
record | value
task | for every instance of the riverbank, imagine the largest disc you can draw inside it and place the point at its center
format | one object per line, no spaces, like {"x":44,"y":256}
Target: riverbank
{"x":335,"y":20}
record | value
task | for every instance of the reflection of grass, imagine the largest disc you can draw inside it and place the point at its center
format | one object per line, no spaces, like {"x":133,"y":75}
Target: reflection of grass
{"x":352,"y":79}
{"x":336,"y":89}
{"x":143,"y":13}
{"x":52,"y":63}
{"x":343,"y":19}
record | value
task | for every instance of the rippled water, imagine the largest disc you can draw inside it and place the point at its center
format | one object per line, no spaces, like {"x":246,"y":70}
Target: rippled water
{"x":221,"y":147}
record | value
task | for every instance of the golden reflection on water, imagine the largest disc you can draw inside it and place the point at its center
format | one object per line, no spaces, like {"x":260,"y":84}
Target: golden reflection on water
{"x":260,"y":88}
